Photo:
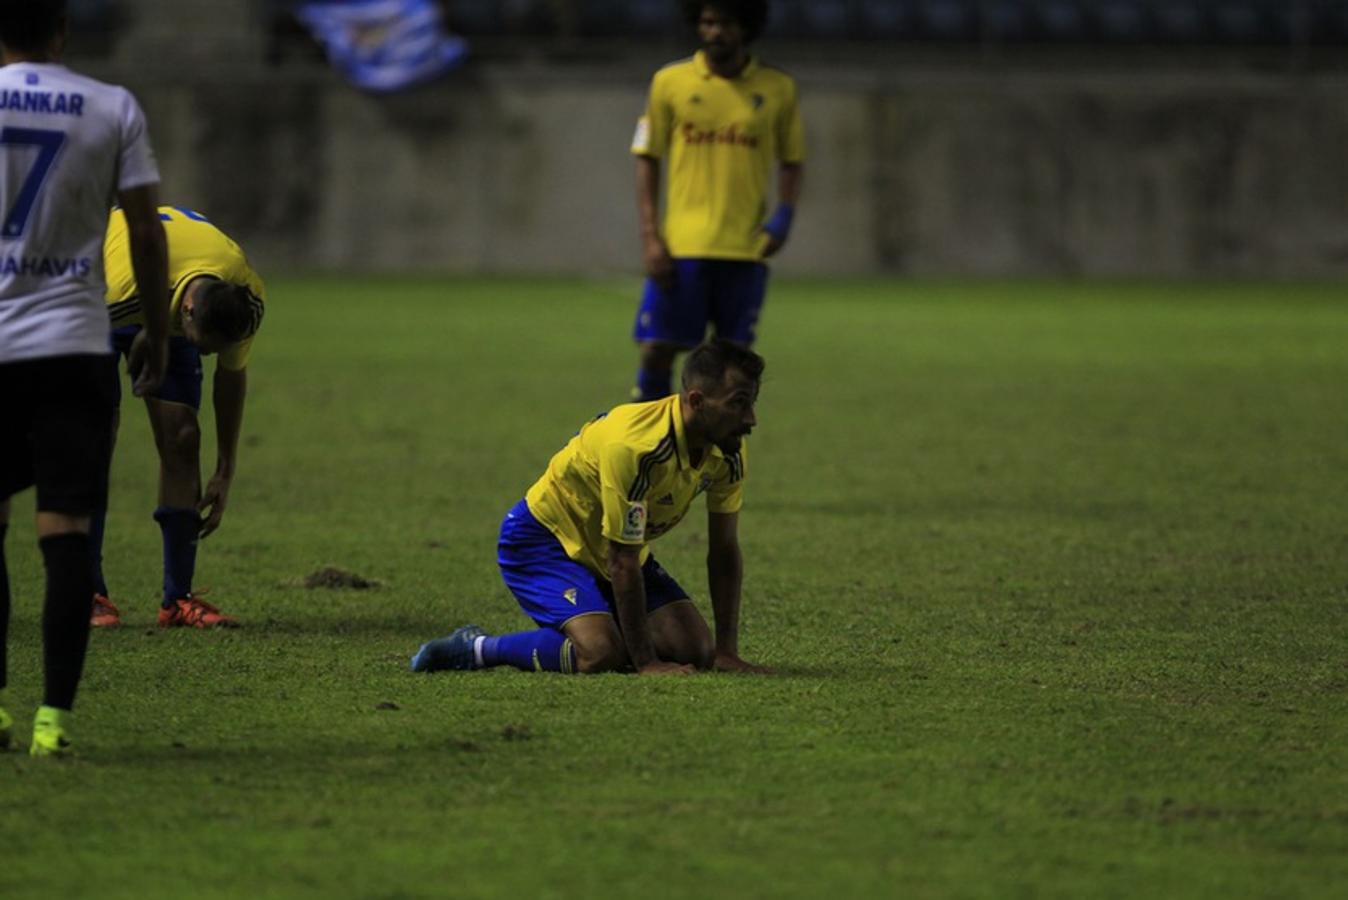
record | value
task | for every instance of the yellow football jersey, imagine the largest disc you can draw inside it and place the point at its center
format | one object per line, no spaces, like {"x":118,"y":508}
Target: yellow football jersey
{"x":626,"y":477}
{"x":195,"y":248}
{"x":720,"y":137}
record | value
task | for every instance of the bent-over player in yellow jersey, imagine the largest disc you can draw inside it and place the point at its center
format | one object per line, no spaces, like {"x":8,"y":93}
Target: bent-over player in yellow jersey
{"x":575,"y":551}
{"x":717,"y":124}
{"x":216,"y":307}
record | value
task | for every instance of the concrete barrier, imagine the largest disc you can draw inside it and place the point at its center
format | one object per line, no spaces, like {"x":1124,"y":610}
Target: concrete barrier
{"x":934,"y":168}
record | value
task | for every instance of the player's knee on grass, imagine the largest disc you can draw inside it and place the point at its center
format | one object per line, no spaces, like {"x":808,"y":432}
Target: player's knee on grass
{"x":689,"y":650}
{"x":681,"y":635}
{"x":598,"y":644}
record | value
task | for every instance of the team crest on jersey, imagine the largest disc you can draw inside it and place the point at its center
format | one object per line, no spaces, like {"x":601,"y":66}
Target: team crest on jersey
{"x":634,"y":523}
{"x":758,"y":101}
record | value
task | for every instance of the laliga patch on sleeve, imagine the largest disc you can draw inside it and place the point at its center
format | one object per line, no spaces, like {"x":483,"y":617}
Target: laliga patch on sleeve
{"x":634,"y":522}
{"x":641,"y":140}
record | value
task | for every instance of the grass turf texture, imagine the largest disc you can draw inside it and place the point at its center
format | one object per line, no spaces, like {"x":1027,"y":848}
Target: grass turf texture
{"x":1056,"y":578}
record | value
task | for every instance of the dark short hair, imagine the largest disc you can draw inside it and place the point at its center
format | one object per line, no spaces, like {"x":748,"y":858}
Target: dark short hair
{"x":30,"y":25}
{"x":228,"y":311}
{"x":752,"y":15}
{"x":705,"y":368}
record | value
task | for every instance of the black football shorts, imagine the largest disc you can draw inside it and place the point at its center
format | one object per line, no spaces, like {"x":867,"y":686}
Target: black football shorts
{"x":56,"y":420}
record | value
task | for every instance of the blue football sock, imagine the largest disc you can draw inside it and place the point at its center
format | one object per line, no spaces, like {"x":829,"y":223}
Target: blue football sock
{"x":544,"y":650}
{"x":180,"y":528}
{"x":97,"y":522}
{"x":653,"y":385}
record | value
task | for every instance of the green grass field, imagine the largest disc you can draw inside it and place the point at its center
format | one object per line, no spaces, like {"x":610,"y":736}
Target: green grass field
{"x":1055,"y":578}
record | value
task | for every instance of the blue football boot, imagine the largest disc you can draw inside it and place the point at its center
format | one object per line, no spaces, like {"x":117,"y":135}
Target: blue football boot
{"x":453,"y":652}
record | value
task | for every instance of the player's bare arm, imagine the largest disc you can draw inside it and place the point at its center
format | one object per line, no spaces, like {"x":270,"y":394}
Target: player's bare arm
{"x":149,"y":260}
{"x":629,"y":601}
{"x":230,"y":391}
{"x":654,"y":252}
{"x":725,"y":575}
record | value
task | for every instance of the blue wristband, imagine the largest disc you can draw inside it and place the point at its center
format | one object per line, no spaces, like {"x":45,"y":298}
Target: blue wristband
{"x":779,"y":226}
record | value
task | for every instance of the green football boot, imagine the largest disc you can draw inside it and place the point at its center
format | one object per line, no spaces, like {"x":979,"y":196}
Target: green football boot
{"x":50,"y":737}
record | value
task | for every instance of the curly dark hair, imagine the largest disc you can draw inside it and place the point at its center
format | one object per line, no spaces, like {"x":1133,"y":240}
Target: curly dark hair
{"x":229,"y":312}
{"x":29,"y":25}
{"x":752,"y":15}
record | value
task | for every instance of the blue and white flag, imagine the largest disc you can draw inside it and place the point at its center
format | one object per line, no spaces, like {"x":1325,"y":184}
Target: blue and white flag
{"x":383,"y":45}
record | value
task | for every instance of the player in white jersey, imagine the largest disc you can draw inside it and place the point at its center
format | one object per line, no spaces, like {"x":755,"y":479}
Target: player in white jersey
{"x":69,"y":147}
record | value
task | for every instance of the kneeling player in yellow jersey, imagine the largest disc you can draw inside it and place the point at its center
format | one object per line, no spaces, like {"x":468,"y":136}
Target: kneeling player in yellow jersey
{"x":575,"y":552}
{"x":217,"y":306}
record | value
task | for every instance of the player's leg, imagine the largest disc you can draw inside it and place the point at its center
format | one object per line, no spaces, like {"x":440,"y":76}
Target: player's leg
{"x":598,"y":642}
{"x":576,"y":625}
{"x":562,"y":591}
{"x":587,"y":643}
{"x":737,"y":290}
{"x":678,"y":631}
{"x":72,"y":441}
{"x":104,"y":613}
{"x":552,"y":589}
{"x":669,"y":321}
{"x":64,"y":540}
{"x":655,"y":371}
{"x":177,"y":437}
{"x":681,"y":635}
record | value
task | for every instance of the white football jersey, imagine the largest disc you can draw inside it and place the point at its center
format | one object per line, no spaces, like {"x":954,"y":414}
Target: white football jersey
{"x":68,"y":144}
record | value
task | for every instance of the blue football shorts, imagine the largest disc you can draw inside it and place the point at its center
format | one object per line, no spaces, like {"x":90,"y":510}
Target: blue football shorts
{"x":551,"y":587}
{"x":725,"y":293}
{"x":182,"y":375}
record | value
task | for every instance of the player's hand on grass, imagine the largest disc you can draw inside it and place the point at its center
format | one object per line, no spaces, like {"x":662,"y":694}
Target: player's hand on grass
{"x":664,"y":667}
{"x":213,"y":503}
{"x":659,"y":264}
{"x":146,"y":364}
{"x":730,"y":662}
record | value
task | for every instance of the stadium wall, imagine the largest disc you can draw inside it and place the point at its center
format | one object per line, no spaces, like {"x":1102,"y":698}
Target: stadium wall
{"x":939,"y":168}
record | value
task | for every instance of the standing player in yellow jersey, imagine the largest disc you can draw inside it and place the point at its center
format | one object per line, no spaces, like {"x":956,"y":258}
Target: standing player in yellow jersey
{"x":575,"y":551}
{"x":216,"y":307}
{"x":718,"y":123}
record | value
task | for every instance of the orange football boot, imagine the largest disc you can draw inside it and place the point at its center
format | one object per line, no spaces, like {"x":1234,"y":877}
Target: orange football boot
{"x":104,"y":614}
{"x":193,"y":612}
